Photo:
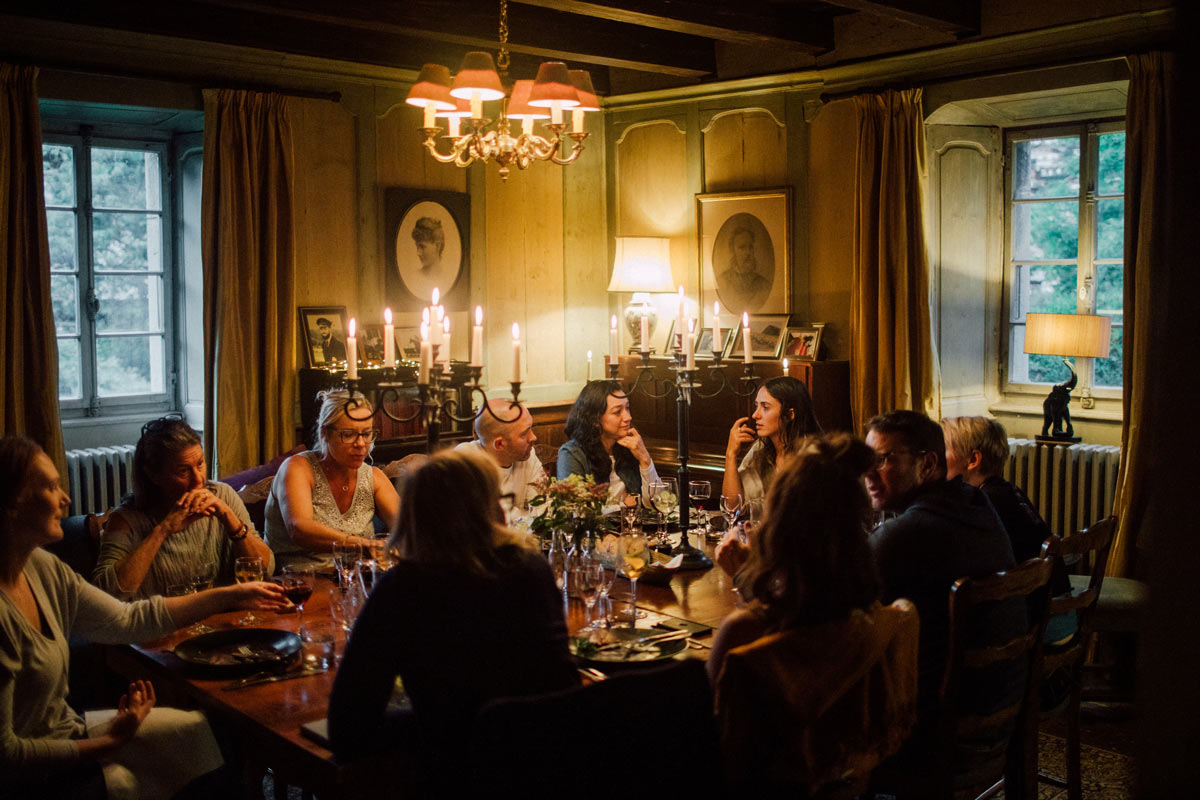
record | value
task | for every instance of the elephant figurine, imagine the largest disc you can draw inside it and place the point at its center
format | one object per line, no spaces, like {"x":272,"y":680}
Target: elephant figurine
{"x":1055,"y":413}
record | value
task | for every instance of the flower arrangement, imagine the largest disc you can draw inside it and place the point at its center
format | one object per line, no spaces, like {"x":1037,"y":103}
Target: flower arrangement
{"x":574,"y":504}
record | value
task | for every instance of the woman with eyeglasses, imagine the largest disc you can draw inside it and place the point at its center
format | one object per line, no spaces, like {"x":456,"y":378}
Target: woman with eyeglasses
{"x":330,"y":494}
{"x":177,"y":526}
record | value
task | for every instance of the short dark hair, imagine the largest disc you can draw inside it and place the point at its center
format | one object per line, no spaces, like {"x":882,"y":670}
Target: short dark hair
{"x":162,"y":439}
{"x":916,"y":430}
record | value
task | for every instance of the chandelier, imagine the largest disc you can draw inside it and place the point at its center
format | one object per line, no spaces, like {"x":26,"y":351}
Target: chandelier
{"x":555,"y":90}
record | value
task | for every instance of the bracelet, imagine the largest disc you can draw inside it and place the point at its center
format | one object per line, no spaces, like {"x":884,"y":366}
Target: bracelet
{"x":240,"y":533}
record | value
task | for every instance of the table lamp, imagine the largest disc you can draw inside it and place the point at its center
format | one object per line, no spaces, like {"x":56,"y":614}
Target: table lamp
{"x":1067,"y":335}
{"x":642,"y":265}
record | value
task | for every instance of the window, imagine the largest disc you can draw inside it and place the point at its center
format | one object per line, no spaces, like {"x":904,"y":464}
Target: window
{"x":1065,"y":226}
{"x":108,"y":214}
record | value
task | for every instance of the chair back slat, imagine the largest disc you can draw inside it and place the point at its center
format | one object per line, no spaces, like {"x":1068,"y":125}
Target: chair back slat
{"x":978,"y":657}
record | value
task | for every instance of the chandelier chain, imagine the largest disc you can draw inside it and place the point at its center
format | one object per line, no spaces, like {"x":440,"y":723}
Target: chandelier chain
{"x":502,"y":57}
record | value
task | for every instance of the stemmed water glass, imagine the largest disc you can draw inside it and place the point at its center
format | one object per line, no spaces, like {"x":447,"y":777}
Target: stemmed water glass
{"x":731,"y":506}
{"x":202,"y":582}
{"x":297,"y":584}
{"x":605,"y":574}
{"x":586,"y":578}
{"x":344,"y":607}
{"x":346,"y":553}
{"x":245,"y":570}
{"x":634,"y":551}
{"x":698,"y":492}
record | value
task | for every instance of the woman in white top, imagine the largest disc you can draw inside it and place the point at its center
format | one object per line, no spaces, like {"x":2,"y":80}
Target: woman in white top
{"x":783,"y":416}
{"x":43,"y":741}
{"x":330,"y":494}
{"x":604,"y":444}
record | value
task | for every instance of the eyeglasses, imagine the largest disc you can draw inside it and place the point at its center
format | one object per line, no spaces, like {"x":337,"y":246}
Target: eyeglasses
{"x":349,"y":435}
{"x":882,"y":459}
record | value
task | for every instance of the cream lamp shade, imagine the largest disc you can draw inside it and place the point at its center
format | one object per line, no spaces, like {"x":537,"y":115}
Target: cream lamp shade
{"x":642,"y":264}
{"x":1078,"y":335}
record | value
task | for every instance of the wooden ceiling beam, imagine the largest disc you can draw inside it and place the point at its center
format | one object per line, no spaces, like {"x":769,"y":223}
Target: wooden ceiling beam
{"x":747,"y":22}
{"x":541,"y":33}
{"x":958,"y":17}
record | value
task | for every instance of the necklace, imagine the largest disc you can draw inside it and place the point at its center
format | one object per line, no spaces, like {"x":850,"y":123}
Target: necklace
{"x":329,"y":478}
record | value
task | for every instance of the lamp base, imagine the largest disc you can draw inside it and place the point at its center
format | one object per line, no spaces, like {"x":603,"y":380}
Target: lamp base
{"x":639,"y":307}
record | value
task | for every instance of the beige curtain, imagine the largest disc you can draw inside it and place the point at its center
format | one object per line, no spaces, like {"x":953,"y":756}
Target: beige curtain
{"x":249,"y":279}
{"x":1160,"y":315}
{"x":29,"y":394}
{"x":892,"y":362}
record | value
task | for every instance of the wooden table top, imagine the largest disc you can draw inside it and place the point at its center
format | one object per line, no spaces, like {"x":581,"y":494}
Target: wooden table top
{"x":267,"y":717}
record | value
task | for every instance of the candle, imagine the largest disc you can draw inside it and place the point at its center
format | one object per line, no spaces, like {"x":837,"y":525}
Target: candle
{"x":716,"y":326}
{"x":430,"y":111}
{"x":389,"y":339}
{"x":556,"y":110}
{"x":477,"y":339}
{"x":785,"y":366}
{"x":691,"y":345}
{"x":645,"y":345}
{"x":455,"y":122}
{"x":351,"y":354}
{"x":435,"y":331}
{"x":426,"y":354}
{"x":446,"y":341}
{"x":516,"y":375}
{"x":746,"y":337}
{"x":612,"y":339}
{"x":476,"y":106}
{"x":589,"y":366}
{"x":680,"y":324}
{"x":576,"y":120}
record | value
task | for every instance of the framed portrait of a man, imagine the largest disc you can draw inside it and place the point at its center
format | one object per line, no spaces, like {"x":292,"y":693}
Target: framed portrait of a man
{"x":746,"y":250}
{"x":323,"y":329}
{"x":427,"y":246}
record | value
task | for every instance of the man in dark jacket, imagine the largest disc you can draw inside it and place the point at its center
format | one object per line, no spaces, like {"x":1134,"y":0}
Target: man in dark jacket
{"x":938,"y":531}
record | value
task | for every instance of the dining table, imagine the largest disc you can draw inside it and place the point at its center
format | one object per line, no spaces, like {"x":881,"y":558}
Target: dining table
{"x":265,"y":720}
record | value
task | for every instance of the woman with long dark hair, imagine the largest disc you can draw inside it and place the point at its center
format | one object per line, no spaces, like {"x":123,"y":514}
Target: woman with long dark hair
{"x":468,"y":614}
{"x":177,"y":525}
{"x":815,"y":679}
{"x":783,"y":416}
{"x":47,"y":749}
{"x":603,"y":443}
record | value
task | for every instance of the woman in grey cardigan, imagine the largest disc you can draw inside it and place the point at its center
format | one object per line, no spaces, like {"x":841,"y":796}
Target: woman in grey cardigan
{"x":43,"y":741}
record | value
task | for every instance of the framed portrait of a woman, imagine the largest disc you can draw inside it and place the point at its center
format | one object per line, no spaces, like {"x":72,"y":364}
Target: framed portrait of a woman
{"x":427,"y":241}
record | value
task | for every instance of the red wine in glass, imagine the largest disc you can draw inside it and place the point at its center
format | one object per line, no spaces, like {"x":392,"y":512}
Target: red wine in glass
{"x":298,"y":593}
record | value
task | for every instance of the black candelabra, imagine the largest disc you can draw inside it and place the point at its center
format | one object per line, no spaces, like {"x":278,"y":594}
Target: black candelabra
{"x":685,"y":387}
{"x":436,"y":402}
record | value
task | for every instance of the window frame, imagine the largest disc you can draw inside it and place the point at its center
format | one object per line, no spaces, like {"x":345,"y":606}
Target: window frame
{"x":81,"y":138}
{"x":1089,"y":132}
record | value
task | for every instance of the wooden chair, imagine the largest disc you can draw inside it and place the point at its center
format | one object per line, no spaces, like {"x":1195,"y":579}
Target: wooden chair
{"x":1094,"y":542}
{"x":1016,"y":770}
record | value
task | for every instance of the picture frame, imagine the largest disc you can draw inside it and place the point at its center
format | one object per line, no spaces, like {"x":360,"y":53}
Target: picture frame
{"x":804,"y":342}
{"x":704,"y":351}
{"x":370,"y":344}
{"x":427,"y":246}
{"x":768,"y":332}
{"x":323,"y":329}
{"x":745,"y":242}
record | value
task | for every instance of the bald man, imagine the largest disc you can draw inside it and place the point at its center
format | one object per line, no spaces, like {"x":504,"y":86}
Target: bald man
{"x":510,"y":444}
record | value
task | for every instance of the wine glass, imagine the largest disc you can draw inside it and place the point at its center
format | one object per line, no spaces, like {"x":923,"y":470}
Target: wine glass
{"x":344,"y":607}
{"x":634,"y":551}
{"x":297,"y":584}
{"x":245,"y":570}
{"x":586,"y":578}
{"x":698,"y":492}
{"x":202,"y":582}
{"x":605,"y":574}
{"x":731,"y":506}
{"x":345,"y":553}
{"x":380,"y":553}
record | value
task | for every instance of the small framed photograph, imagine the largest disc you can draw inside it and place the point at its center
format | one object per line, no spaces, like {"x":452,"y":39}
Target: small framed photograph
{"x":804,"y":343}
{"x":324,"y":332}
{"x":768,"y":332}
{"x":370,"y":344}
{"x":408,"y":342}
{"x":704,"y":343}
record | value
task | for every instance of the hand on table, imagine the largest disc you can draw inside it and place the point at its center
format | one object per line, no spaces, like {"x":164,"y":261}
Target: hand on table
{"x":257,"y":596}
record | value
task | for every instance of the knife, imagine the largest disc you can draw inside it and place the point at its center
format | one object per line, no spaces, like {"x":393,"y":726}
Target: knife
{"x":262,"y":677}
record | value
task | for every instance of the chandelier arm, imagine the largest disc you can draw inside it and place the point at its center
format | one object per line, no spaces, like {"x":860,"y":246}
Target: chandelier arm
{"x":576,"y":149}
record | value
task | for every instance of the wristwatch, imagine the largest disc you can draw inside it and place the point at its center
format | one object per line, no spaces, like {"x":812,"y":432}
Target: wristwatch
{"x":240,"y":533}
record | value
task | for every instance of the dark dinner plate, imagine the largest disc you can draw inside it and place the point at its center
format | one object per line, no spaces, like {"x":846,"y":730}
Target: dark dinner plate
{"x":650,"y":653}
{"x":239,"y":651}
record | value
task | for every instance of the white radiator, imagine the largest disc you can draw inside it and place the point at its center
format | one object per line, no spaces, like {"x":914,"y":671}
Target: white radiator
{"x":98,"y":477}
{"x":1071,"y":487}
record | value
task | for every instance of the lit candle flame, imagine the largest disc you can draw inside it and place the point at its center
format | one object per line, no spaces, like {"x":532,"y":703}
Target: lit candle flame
{"x":516,"y":331}
{"x":387,"y":316}
{"x":352,"y":326}
{"x":436,"y":294}
{"x":478,"y":315}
